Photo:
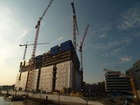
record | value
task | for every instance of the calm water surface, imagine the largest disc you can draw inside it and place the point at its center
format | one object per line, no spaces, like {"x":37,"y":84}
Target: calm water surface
{"x":4,"y":101}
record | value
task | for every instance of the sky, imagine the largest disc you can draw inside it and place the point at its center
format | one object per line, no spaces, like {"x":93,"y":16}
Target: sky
{"x":112,"y":39}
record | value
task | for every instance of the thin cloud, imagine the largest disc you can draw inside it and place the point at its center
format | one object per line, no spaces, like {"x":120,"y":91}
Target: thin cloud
{"x":122,"y":41}
{"x":116,"y":51}
{"x":103,"y":36}
{"x":60,"y":38}
{"x":113,"y":43}
{"x":130,"y":19}
{"x":126,"y":59}
{"x":106,"y":27}
{"x":23,"y":34}
{"x":137,"y":34}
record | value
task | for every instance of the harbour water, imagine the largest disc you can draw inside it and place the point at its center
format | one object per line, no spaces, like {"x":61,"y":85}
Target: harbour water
{"x":5,"y":101}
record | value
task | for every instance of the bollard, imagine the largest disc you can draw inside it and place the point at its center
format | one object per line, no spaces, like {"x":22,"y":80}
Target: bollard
{"x":59,"y":99}
{"x":46,"y":99}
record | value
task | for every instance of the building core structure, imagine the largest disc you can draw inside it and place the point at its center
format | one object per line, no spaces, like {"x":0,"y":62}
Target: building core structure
{"x":53,"y":70}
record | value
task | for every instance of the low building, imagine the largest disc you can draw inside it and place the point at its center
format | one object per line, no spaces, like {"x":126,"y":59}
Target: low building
{"x":90,"y":89}
{"x":116,"y":84}
{"x":101,"y":88}
{"x":7,"y":87}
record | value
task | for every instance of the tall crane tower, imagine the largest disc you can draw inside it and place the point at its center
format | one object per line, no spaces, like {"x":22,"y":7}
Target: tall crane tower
{"x":26,"y":45}
{"x":81,"y":55}
{"x":29,"y":78}
{"x":75,"y":26}
{"x":131,"y":77}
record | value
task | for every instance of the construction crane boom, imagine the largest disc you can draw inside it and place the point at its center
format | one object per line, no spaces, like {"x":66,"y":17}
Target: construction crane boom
{"x":75,"y":26}
{"x":26,"y":45}
{"x":131,"y":77}
{"x":81,"y":55}
{"x":40,"y":19}
{"x":81,"y":46}
{"x":29,"y":79}
{"x":38,"y":28}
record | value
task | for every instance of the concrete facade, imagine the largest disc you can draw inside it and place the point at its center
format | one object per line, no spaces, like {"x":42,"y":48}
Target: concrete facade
{"x":53,"y":70}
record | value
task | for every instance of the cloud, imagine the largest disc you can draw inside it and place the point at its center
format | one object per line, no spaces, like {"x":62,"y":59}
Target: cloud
{"x":113,"y":43}
{"x":137,"y":34}
{"x":106,"y":27}
{"x":103,"y":36}
{"x":60,"y":38}
{"x":23,"y":34}
{"x":130,"y":19}
{"x":125,"y":59}
{"x":10,"y":28}
{"x":116,"y":51}
{"x":119,"y":42}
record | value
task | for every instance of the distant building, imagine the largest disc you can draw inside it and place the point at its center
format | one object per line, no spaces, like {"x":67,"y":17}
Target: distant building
{"x":135,"y":70}
{"x":115,"y":84}
{"x":7,"y":87}
{"x":54,"y":70}
{"x":101,"y":88}
{"x":90,"y":89}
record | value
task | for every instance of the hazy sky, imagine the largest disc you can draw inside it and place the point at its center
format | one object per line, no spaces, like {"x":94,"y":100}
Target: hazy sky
{"x":112,"y":40}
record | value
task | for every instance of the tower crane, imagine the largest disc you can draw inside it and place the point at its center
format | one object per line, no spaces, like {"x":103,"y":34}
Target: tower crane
{"x":75,"y":26}
{"x":26,"y":45}
{"x":37,"y":27}
{"x":81,"y":55}
{"x":131,"y":77}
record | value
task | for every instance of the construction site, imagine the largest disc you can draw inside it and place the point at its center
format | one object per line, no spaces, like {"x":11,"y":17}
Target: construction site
{"x":59,"y":70}
{"x":56,"y":69}
{"x":53,"y":70}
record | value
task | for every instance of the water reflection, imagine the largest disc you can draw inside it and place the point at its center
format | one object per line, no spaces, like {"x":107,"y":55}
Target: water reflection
{"x":5,"y":101}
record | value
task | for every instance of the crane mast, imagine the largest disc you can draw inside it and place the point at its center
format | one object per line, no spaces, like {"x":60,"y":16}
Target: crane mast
{"x":81,"y":55}
{"x":24,"y":50}
{"x":131,"y":77}
{"x":75,"y":26}
{"x":29,"y":78}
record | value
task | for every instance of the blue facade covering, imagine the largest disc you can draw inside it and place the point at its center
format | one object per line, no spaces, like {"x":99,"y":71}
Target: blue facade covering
{"x":38,"y":58}
{"x":54,"y":50}
{"x":65,"y":46}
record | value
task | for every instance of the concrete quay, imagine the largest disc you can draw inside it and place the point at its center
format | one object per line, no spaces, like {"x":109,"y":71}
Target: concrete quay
{"x":57,"y":99}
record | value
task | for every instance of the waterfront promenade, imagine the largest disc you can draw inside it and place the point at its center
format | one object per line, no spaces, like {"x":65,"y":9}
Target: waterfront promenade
{"x":58,"y":99}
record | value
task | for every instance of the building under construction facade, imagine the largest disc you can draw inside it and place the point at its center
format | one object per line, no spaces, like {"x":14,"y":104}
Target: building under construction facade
{"x":53,"y":70}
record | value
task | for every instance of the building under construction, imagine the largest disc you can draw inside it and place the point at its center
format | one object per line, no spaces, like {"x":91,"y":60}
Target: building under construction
{"x":53,"y":70}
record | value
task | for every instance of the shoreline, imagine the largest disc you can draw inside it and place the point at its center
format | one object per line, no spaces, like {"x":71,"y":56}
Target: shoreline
{"x":55,"y":98}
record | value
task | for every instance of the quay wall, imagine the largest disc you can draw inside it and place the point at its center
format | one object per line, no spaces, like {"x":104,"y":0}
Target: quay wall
{"x":58,"y":99}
